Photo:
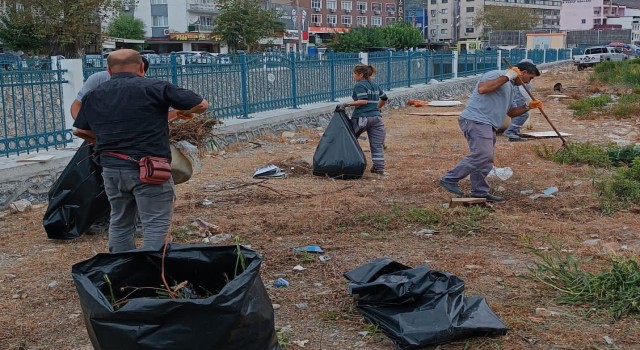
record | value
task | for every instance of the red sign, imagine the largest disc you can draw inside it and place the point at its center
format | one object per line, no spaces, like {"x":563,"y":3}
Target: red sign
{"x":327,"y":30}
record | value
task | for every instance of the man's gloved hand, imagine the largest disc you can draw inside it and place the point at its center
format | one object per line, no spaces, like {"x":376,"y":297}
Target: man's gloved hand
{"x":535,"y":104}
{"x":184,"y":116}
{"x":512,"y":73}
{"x":342,"y":106}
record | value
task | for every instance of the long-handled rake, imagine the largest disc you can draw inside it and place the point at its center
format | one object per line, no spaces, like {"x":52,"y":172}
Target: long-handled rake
{"x":564,"y":142}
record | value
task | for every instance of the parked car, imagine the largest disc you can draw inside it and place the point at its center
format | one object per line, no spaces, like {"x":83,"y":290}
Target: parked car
{"x":9,"y":61}
{"x":596,"y":54}
{"x":200,"y":57}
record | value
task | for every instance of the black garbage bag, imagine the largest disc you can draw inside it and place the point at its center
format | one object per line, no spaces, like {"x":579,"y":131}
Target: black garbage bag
{"x":338,"y":154}
{"x":77,"y":198}
{"x":237,"y":314}
{"x":418,"y":307}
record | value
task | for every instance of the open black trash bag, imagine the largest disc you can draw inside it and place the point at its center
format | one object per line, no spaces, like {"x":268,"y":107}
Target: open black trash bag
{"x":77,"y":198}
{"x":417,"y":307}
{"x":338,"y":154}
{"x":238,"y":316}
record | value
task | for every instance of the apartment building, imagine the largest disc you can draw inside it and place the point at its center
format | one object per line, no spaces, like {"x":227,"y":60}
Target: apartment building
{"x":178,"y":25}
{"x":335,"y":16}
{"x":589,"y":14}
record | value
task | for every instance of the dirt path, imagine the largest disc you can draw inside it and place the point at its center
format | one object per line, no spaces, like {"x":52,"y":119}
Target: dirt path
{"x":356,"y":221}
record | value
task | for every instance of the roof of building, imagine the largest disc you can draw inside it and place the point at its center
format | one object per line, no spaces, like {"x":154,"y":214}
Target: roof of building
{"x":634,"y":4}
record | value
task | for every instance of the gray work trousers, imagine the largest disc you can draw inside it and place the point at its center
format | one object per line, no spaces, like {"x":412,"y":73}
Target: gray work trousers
{"x":129,"y":197}
{"x":516,"y":124}
{"x":479,"y":162}
{"x":374,"y":126}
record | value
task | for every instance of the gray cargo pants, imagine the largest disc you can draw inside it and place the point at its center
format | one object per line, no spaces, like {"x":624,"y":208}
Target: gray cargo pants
{"x":479,"y":162}
{"x":374,"y":126}
{"x":128,"y":197}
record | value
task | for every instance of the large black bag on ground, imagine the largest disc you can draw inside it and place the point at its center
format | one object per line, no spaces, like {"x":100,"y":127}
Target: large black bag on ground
{"x":338,"y":154}
{"x":237,"y":316}
{"x":77,"y":198}
{"x":417,"y":307}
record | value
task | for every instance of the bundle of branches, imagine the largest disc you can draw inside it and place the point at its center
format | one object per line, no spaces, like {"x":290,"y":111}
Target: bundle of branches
{"x":197,"y":131}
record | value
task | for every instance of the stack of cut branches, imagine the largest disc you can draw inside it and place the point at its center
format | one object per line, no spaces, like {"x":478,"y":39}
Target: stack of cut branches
{"x":197,"y":131}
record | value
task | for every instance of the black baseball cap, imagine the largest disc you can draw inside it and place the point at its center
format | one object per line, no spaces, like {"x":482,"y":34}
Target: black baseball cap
{"x":529,"y":67}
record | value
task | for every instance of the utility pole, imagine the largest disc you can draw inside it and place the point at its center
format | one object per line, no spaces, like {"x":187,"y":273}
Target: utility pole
{"x":299,"y":25}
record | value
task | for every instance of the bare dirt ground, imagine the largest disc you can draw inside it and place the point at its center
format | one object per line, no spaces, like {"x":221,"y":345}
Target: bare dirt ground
{"x":357,"y":221}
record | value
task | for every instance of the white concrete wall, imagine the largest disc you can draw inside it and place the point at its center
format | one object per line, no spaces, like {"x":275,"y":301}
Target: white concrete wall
{"x":75,"y":78}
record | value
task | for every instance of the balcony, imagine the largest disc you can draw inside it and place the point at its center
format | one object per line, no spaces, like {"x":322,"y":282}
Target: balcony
{"x":204,"y":8}
{"x":199,"y":28}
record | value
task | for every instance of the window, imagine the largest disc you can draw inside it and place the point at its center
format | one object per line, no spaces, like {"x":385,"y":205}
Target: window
{"x":332,"y":19}
{"x":376,"y":7}
{"x":346,"y":5}
{"x":206,"y":22}
{"x":469,"y":30}
{"x":444,"y":21}
{"x":362,"y":6}
{"x":362,"y":21}
{"x":470,"y":9}
{"x":584,"y":21}
{"x":346,"y":20}
{"x":160,"y":21}
{"x":158,"y":2}
{"x":376,"y":21}
{"x":433,"y":32}
{"x":390,"y":8}
{"x":316,"y":4}
{"x":433,"y":2}
{"x":469,"y":22}
{"x":445,"y":1}
{"x":331,"y":4}
{"x":434,"y":13}
{"x":316,"y":18}
{"x":444,"y":11}
{"x":443,"y":31}
{"x":390,"y":20}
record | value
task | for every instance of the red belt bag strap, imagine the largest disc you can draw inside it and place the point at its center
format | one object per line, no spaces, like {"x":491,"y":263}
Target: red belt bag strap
{"x":153,"y":170}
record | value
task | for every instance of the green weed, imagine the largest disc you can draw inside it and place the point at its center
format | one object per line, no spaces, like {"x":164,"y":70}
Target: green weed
{"x":180,"y":234}
{"x":589,"y":105}
{"x":420,"y":216}
{"x":465,"y":219}
{"x":621,"y":188}
{"x":306,"y":257}
{"x":378,"y":221}
{"x":627,"y":106}
{"x":616,"y":289}
{"x":583,"y":153}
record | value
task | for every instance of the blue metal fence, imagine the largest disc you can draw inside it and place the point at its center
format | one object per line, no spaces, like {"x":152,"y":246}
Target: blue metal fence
{"x":32,"y":109}
{"x":235,"y":87}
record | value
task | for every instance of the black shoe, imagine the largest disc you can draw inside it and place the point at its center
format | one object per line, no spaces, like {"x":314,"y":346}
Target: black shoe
{"x":491,"y":197}
{"x":377,"y":171}
{"x":451,"y":187}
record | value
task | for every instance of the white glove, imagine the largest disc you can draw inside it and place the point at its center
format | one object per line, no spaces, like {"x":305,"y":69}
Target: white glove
{"x":512,"y":73}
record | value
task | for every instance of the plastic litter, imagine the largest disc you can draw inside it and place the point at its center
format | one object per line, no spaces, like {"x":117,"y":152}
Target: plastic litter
{"x":550,"y":191}
{"x":501,"y":173}
{"x":280,"y":282}
{"x":269,"y":171}
{"x":309,"y":249}
{"x":324,"y":258}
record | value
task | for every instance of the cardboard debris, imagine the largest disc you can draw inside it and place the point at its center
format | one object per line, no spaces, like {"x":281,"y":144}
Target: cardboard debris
{"x":542,"y":134}
{"x":37,"y":158}
{"x":465,"y":202}
{"x":443,"y":113}
{"x":444,"y":103}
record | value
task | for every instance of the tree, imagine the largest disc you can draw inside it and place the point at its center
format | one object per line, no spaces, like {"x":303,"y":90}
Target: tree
{"x":60,"y":26}
{"x":399,"y":36}
{"x":127,"y":27}
{"x":20,"y":34}
{"x":242,"y":23}
{"x":508,"y":18}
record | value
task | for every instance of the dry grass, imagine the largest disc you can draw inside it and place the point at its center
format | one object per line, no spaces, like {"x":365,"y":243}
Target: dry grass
{"x":356,"y":221}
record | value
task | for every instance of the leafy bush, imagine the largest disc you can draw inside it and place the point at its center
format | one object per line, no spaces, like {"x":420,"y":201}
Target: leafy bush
{"x":577,"y":153}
